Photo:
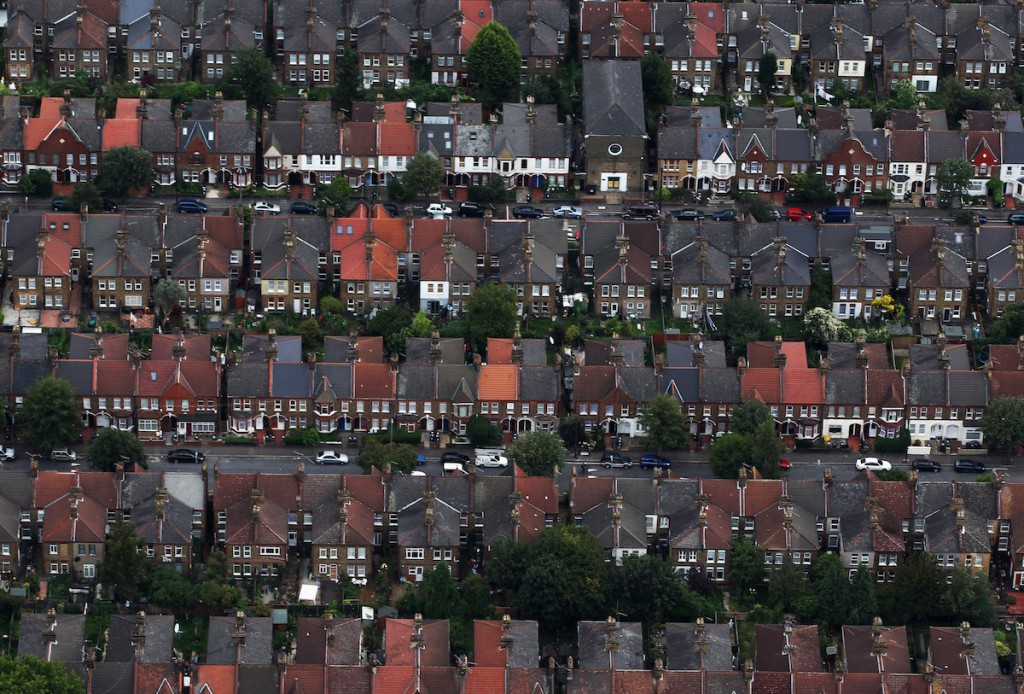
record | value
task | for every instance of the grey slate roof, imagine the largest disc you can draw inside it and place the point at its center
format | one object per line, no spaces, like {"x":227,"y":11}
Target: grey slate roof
{"x":67,"y":648}
{"x":720,"y":386}
{"x":594,"y":655}
{"x":155,"y":646}
{"x":680,"y":354}
{"x":845,"y":387}
{"x":408,"y":498}
{"x":683,"y":382}
{"x":683,"y":653}
{"x":223,"y":649}
{"x":254,"y":348}
{"x":613,"y":98}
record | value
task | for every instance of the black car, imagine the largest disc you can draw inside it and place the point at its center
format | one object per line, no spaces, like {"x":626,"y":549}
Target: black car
{"x":61,"y":204}
{"x":301,"y":207}
{"x":109,"y":205}
{"x":391,"y":207}
{"x":968,"y":465}
{"x":926,"y":465}
{"x":470,"y":209}
{"x":527,"y":212}
{"x":185,"y":455}
{"x":974,"y":445}
{"x":688,"y":215}
{"x":453,"y":457}
{"x":726,"y":215}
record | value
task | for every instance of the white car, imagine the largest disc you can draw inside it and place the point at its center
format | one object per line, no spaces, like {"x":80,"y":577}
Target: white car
{"x":435,"y":208}
{"x":491,"y":460}
{"x":874,"y":464}
{"x":331,"y":458}
{"x":266,"y":207}
{"x":7,"y":455}
{"x":567,"y":211}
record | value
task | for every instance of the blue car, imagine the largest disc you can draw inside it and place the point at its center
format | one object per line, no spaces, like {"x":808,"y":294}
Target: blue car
{"x":650,"y":461}
{"x":191,"y":206}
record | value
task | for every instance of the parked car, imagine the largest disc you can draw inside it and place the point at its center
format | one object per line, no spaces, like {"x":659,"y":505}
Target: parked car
{"x":643,"y":211}
{"x":774,"y":215}
{"x":7,"y":455}
{"x":453,"y":457}
{"x":568,"y":212}
{"x":189,"y":205}
{"x":452,"y":468}
{"x":490,"y":460}
{"x":1016,"y":218}
{"x":527,"y":212}
{"x":874,"y":464}
{"x":610,"y":459}
{"x":688,"y":215}
{"x":460,"y":441}
{"x":650,"y":461}
{"x":926,"y":465}
{"x":968,"y":465}
{"x":391,"y":207}
{"x":436,"y":208}
{"x":63,"y":455}
{"x":266,"y":208}
{"x":471,"y":209}
{"x":61,"y":204}
{"x":185,"y":455}
{"x":974,"y":445}
{"x":329,"y":457}
{"x":301,"y":207}
{"x":795,"y":214}
{"x":726,"y":215}
{"x":785,"y":464}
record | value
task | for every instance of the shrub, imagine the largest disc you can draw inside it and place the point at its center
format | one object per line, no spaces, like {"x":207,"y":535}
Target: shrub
{"x":303,"y":437}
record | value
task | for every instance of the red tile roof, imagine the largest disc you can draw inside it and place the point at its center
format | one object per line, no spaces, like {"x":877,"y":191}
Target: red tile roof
{"x":885,"y":389}
{"x":426,"y":237}
{"x":802,"y":386}
{"x":398,"y":650}
{"x":398,"y":139}
{"x":470,"y":232}
{"x":221,"y":679}
{"x":485,"y":680}
{"x":539,"y":491}
{"x":158,"y":678}
{"x":762,"y":385}
{"x":303,"y":679}
{"x":196,"y":347}
{"x":114,"y":377}
{"x":761,"y":355}
{"x":588,"y":492}
{"x":122,"y":133}
{"x":759,"y":495}
{"x":1006,"y":383}
{"x":498,"y":382}
{"x":478,"y":14}
{"x":724,"y":494}
{"x":499,"y":350}
{"x":373,"y":381}
{"x":87,"y":526}
{"x":359,"y":139}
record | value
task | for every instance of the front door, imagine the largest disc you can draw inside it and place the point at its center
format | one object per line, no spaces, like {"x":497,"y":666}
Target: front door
{"x":297,"y":305}
{"x":182,"y":428}
{"x":945,"y":315}
{"x":217,"y":304}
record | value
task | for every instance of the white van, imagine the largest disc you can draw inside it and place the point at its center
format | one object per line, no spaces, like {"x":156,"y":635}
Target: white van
{"x":452,"y":468}
{"x":490,"y":460}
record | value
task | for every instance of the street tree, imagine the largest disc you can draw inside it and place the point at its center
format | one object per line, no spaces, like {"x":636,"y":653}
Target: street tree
{"x":537,"y":452}
{"x":493,"y":64}
{"x":492,"y":312}
{"x":481,"y":431}
{"x":29,"y":675}
{"x":252,"y":71}
{"x":566,"y":579}
{"x":86,"y":194}
{"x":49,"y":416}
{"x":821,"y":327}
{"x":335,"y":194}
{"x":401,"y":456}
{"x":729,"y":454}
{"x":493,"y":192}
{"x":810,"y":187}
{"x":954,"y":178}
{"x":1003,"y":422}
{"x":656,"y":75}
{"x":168,"y":295}
{"x":664,"y":424}
{"x":124,"y":568}
{"x":423,"y":175}
{"x":765,"y":448}
{"x":125,"y":168}
{"x":761,"y":209}
{"x":746,"y":566}
{"x":747,"y":416}
{"x":171,"y":590}
{"x":767,"y":67}
{"x":743,"y":321}
{"x":36,"y":182}
{"x":113,"y":446}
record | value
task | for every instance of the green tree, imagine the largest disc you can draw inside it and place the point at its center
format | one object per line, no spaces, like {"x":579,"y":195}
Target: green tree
{"x":821,"y":327}
{"x":112,"y":446}
{"x":767,"y":67}
{"x":508,"y":562}
{"x":566,"y":579}
{"x":832,"y":586}
{"x":864,"y":600}
{"x":1003,"y":422}
{"x":810,"y":187}
{"x":821,"y":288}
{"x":125,"y":568}
{"x":476,"y":598}
{"x":743,"y":321}
{"x":86,"y":194}
{"x":168,"y":295}
{"x":659,"y":87}
{"x":729,"y":454}
{"x":761,"y":209}
{"x":49,"y":416}
{"x":493,"y":64}
{"x":664,"y":424}
{"x":571,"y":430}
{"x":746,"y":566}
{"x":788,"y":586}
{"x":401,"y":456}
{"x":307,"y":436}
{"x":652,"y":592}
{"x":253,"y":72}
{"x":218,"y":596}
{"x":439,"y":597}
{"x":36,"y":182}
{"x":1010,"y":325}
{"x":747,"y":416}
{"x":125,"y":168}
{"x":171,"y":590}
{"x":904,"y":95}
{"x":493,"y":192}
{"x":968,"y":598}
{"x":492,"y":312}
{"x":537,"y":452}
{"x":954,"y":178}
{"x":915,"y":594}
{"x":309,"y":330}
{"x":335,"y":194}
{"x":394,"y":324}
{"x":29,"y":675}
{"x":422,"y":326}
{"x":765,"y":448}
{"x":423,"y":175}
{"x":481,"y":431}
{"x":347,"y":85}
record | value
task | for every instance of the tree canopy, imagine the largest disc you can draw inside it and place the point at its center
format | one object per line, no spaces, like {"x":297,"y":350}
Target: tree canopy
{"x":423,"y":175}
{"x":1003,"y":422}
{"x":481,"y":431}
{"x":767,"y":67}
{"x":125,"y":567}
{"x":663,"y":423}
{"x":336,"y":194}
{"x":36,"y":182}
{"x":760,"y":448}
{"x":746,"y":566}
{"x":537,"y":452}
{"x":821,"y":327}
{"x":86,"y":194}
{"x":401,"y":456}
{"x":49,"y":416}
{"x":743,"y":321}
{"x":125,"y":168}
{"x":171,"y":590}
{"x":747,"y":416}
{"x":253,"y":73}
{"x":954,"y":178}
{"x":810,"y":187}
{"x":112,"y":446}
{"x":492,"y":312}
{"x":656,"y":75}
{"x":395,"y":325}
{"x":168,"y":295}
{"x":493,"y":64}
{"x":29,"y":675}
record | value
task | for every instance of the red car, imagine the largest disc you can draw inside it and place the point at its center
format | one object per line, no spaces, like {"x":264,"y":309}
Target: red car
{"x":785,"y":464}
{"x":795,"y":214}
